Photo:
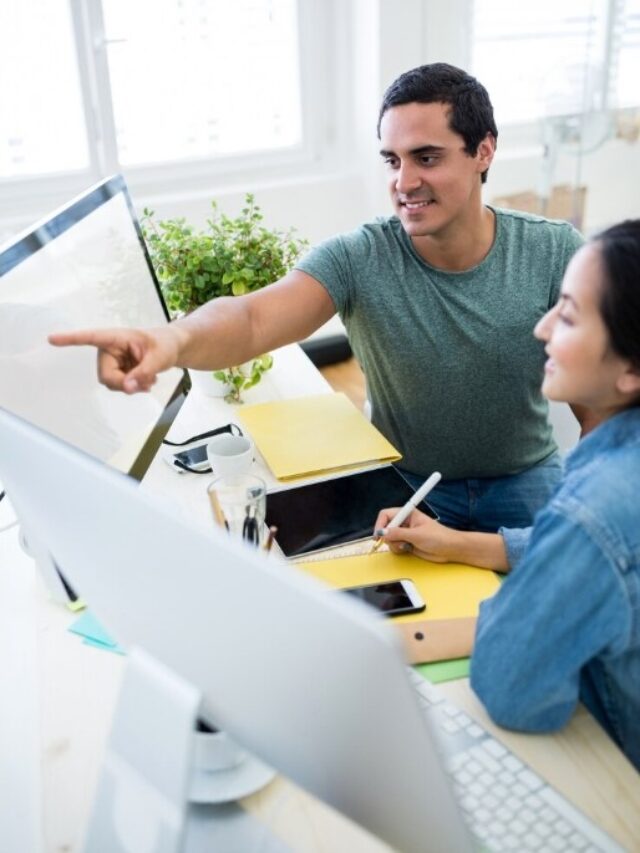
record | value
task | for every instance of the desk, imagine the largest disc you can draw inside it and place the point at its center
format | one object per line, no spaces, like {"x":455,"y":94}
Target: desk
{"x":77,"y":691}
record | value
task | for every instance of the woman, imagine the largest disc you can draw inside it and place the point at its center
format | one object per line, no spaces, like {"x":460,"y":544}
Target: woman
{"x":565,"y":625}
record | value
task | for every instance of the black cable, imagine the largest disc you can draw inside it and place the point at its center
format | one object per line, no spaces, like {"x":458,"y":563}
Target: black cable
{"x":2,"y":494}
{"x":234,"y":429}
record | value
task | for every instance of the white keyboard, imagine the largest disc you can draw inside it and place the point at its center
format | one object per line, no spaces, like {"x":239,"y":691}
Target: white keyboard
{"x":507,"y":806}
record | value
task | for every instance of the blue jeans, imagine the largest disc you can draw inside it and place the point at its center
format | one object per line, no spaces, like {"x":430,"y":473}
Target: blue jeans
{"x":488,"y":503}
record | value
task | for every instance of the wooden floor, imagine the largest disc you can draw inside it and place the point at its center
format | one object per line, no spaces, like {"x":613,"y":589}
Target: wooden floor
{"x":348,"y":377}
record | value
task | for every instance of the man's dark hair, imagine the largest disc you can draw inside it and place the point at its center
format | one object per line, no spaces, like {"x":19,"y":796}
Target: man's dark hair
{"x":471,"y":112}
{"x":620,"y":294}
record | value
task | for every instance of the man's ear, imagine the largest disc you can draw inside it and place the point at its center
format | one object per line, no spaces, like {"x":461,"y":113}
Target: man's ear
{"x":486,"y":151}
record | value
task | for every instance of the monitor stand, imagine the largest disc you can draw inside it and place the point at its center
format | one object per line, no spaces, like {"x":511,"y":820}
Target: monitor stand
{"x":57,"y":586}
{"x":159,"y":759}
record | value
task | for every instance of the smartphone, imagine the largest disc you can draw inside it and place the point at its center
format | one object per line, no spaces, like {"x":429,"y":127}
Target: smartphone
{"x":393,"y":598}
{"x":193,"y":459}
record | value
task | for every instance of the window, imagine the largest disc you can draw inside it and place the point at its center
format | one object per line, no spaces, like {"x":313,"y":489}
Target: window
{"x":90,"y":88}
{"x":556,"y":57}
{"x":42,"y":127}
{"x":208,"y":77}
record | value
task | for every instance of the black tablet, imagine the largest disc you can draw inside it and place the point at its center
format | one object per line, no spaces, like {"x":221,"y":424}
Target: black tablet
{"x":337,"y":511}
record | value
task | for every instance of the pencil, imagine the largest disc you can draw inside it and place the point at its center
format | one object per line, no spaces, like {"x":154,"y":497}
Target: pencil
{"x":272,"y":535}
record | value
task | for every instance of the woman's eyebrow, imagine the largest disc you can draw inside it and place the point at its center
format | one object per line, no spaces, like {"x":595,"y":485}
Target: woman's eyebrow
{"x":564,"y":297}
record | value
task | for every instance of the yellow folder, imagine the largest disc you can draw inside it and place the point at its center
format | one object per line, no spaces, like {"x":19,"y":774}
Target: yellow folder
{"x":451,"y":591}
{"x":314,"y":435}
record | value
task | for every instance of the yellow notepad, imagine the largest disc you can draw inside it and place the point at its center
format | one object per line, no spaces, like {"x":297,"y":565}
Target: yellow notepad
{"x":314,"y":435}
{"x":450,"y":590}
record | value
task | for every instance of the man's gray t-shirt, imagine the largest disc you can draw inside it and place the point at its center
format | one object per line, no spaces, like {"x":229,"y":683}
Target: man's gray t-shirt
{"x":453,"y":370}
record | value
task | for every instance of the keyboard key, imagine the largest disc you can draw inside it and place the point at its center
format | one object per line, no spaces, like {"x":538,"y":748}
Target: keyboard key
{"x":577,"y":841}
{"x":482,"y":815}
{"x":469,"y":803}
{"x":462,"y":777}
{"x":530,"y":779}
{"x":527,"y":816}
{"x":497,"y":829}
{"x":500,"y":791}
{"x":486,"y":779}
{"x":475,"y":731}
{"x":477,"y":789}
{"x":518,"y":827}
{"x":450,"y":726}
{"x":519,"y":791}
{"x":507,"y":778}
{"x":496,"y":749}
{"x":512,"y":763}
{"x":505,"y":814}
{"x":562,"y":828}
{"x":491,"y":802}
{"x":533,"y":801}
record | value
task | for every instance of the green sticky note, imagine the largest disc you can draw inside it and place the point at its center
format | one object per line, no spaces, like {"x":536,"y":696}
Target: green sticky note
{"x":444,"y":670}
{"x":76,"y":606}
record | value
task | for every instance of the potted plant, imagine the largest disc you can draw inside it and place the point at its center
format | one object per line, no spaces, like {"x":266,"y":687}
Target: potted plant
{"x":229,"y":257}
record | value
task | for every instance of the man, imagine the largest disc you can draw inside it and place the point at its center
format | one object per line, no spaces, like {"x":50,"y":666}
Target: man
{"x":439,"y":302}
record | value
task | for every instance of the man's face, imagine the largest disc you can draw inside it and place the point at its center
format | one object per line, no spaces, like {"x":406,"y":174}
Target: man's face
{"x":433,"y":182}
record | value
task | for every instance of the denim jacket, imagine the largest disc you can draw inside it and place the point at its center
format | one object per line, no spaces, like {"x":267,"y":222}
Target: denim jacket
{"x":565,"y":625}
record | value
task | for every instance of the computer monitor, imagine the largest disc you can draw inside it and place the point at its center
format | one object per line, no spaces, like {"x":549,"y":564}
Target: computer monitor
{"x":307,"y":679}
{"x":85,"y":266}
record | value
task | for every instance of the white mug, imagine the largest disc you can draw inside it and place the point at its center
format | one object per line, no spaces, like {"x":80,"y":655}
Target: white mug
{"x":230,"y":455}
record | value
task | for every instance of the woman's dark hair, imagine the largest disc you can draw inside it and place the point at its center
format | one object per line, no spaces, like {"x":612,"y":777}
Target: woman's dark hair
{"x":620,"y":296}
{"x":471,"y":113}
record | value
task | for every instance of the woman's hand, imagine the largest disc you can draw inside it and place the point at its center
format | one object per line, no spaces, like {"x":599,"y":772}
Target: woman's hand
{"x":418,"y":535}
{"x":433,"y":541}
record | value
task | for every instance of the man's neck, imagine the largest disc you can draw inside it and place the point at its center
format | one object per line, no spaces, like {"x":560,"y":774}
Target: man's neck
{"x":462,"y":246}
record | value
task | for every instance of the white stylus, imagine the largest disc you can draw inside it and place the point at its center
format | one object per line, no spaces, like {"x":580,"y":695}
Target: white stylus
{"x":410,"y":505}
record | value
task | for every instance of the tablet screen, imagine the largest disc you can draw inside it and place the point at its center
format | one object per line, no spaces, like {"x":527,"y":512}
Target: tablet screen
{"x":333,"y":512}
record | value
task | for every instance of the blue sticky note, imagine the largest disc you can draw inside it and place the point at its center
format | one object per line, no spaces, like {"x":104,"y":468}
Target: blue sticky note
{"x":116,"y":649}
{"x":88,"y":627}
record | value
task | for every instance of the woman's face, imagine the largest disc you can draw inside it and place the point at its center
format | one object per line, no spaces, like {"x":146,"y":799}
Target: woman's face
{"x":582,"y":368}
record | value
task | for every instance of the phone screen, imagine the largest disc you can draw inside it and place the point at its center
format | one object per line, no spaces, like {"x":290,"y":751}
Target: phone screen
{"x":194,"y":456}
{"x":390,"y":598}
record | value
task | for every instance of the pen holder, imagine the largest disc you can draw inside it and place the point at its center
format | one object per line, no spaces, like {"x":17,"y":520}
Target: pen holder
{"x":239,"y":505}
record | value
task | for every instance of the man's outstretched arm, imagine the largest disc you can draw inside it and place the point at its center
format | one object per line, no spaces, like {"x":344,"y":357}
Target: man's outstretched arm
{"x":224,"y":332}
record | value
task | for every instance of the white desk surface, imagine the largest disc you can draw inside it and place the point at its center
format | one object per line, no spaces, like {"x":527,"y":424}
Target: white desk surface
{"x":63,"y":694}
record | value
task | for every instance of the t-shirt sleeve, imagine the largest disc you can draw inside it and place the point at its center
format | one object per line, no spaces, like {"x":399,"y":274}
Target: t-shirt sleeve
{"x":573,"y":240}
{"x":329,"y":263}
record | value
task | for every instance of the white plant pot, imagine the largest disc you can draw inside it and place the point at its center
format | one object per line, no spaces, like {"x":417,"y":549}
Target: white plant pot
{"x":205,"y":383}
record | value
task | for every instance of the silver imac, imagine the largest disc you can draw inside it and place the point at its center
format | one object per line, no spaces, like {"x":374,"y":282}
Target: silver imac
{"x":309,"y":681}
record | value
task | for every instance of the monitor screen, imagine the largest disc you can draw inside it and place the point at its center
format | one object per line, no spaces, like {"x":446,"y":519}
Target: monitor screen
{"x":84,"y":267}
